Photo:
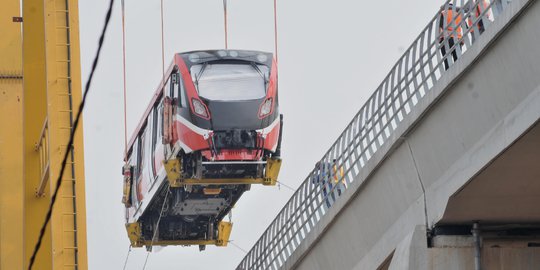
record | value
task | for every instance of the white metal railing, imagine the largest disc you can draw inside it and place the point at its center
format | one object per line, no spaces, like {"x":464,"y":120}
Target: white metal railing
{"x":411,"y":78}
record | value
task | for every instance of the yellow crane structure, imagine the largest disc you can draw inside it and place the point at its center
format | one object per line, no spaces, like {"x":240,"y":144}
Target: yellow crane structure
{"x":40,"y":91}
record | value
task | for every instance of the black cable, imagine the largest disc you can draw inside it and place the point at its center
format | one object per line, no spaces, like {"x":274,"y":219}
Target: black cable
{"x":71,"y":136}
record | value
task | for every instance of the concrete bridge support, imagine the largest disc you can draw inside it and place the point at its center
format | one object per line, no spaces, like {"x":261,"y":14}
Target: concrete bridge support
{"x":451,"y":252}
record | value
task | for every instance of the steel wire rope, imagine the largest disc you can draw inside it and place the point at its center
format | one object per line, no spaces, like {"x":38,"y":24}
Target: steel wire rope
{"x":225,"y":23}
{"x":163,"y":83}
{"x":124,"y":78}
{"x":127,"y":256}
{"x":289,"y":187}
{"x":72,"y":135}
{"x":238,"y":247}
{"x":275,"y":27}
{"x":157,"y":225}
{"x":275,"y":31}
{"x":285,"y":231}
{"x":162,"y":47}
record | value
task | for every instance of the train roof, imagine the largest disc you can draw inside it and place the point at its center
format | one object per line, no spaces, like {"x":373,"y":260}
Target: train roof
{"x":197,"y":57}
{"x":225,"y":53}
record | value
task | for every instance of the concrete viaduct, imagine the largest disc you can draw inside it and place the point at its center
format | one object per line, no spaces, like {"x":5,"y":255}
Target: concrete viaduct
{"x":441,"y":165}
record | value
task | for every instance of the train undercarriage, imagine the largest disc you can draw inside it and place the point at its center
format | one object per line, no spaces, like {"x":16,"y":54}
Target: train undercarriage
{"x":190,"y":206}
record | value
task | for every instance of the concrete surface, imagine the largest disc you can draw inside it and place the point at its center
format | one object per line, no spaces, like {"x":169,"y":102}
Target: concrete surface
{"x":473,"y":148}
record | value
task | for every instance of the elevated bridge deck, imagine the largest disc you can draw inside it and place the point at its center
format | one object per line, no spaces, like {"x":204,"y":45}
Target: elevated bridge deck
{"x":431,"y":152}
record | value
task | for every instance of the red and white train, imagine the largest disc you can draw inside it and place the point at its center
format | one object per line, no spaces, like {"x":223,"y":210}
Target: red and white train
{"x":212,"y":128}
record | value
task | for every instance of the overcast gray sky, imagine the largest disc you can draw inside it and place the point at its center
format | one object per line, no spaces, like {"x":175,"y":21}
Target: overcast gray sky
{"x":332,"y":56}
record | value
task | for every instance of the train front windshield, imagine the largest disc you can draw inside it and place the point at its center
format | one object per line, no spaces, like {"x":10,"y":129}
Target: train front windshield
{"x":228,"y":82}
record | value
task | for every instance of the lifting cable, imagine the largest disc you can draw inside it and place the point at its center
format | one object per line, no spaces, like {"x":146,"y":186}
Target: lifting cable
{"x":127,"y":256}
{"x":225,"y":19}
{"x":124,"y":66}
{"x":238,"y":247}
{"x":275,"y":27}
{"x":275,"y":31}
{"x":72,"y":135}
{"x":125,"y":101}
{"x":156,"y":228}
{"x":124,"y":73}
{"x":289,"y":187}
{"x":162,"y":48}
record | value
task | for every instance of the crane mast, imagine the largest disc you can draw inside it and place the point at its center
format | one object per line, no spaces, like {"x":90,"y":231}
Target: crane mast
{"x":40,"y":88}
{"x":11,"y":187}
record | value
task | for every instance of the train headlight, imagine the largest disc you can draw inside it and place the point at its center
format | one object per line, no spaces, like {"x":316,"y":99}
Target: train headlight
{"x":199,"y":108}
{"x":266,"y":108}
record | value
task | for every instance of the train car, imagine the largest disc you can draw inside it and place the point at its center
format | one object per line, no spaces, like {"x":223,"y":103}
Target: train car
{"x":212,"y":129}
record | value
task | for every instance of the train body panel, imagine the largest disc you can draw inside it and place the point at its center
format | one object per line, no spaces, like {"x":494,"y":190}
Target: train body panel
{"x":216,"y":115}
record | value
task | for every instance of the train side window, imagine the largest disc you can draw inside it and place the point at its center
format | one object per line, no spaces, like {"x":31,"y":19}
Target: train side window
{"x":183,"y":97}
{"x":169,"y":88}
{"x":141,"y":163}
{"x":149,"y":144}
{"x":134,"y":161}
{"x":142,"y":151}
{"x":160,"y":123}
{"x":178,"y":87}
{"x":157,"y":128}
{"x":128,"y":198}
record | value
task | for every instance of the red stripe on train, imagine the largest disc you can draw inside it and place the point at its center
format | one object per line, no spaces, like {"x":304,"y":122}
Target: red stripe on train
{"x":188,"y":137}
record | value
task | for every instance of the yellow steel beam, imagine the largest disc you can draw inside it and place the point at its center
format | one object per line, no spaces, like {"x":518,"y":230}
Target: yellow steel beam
{"x":174,"y":175}
{"x":218,"y":181}
{"x":34,"y":114}
{"x":11,"y":187}
{"x":135,"y":236}
{"x":52,"y":92}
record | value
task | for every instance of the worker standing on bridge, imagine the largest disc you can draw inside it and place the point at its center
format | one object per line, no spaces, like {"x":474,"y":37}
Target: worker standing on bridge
{"x":450,"y":31}
{"x":337,"y":175}
{"x":321,"y":176}
{"x":481,"y":12}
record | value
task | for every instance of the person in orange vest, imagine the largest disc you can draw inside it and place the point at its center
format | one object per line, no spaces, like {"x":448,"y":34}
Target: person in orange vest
{"x":450,"y":31}
{"x":479,"y":7}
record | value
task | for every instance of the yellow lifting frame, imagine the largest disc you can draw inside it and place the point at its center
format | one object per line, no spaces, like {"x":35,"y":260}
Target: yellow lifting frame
{"x":174,"y":175}
{"x":135,"y":236}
